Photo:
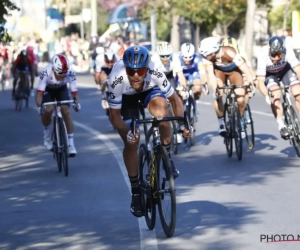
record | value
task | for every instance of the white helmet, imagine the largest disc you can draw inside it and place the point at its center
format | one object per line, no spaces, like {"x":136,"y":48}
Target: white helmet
{"x":60,"y":64}
{"x":208,"y":46}
{"x":109,"y":56}
{"x":187,"y":51}
{"x":164,"y":49}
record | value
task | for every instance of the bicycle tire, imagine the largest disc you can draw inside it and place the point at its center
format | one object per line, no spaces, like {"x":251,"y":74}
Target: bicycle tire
{"x":228,"y":139}
{"x":56,"y":153}
{"x":296,"y":130}
{"x":143,"y":115}
{"x":148,"y":201}
{"x":174,"y":142}
{"x":250,"y":135}
{"x":192,"y":115}
{"x":162,"y":155}
{"x":237,"y":132}
{"x":19,"y":103}
{"x":64,"y":146}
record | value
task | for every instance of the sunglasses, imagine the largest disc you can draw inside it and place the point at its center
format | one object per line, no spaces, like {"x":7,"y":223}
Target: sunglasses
{"x":279,"y":55}
{"x":165,"y":57}
{"x":140,"y":72}
{"x":61,"y":73}
{"x":109,"y":61}
{"x":187,"y":58}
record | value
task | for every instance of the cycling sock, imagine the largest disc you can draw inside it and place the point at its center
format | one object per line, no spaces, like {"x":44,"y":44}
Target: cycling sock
{"x":134,"y":181}
{"x":71,"y":139}
{"x":221,"y":121}
{"x":168,"y":148}
{"x":46,"y":130}
{"x":280,"y":123}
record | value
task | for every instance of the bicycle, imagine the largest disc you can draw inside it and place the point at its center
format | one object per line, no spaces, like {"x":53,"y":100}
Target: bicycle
{"x":153,"y":188}
{"x":59,"y":137}
{"x":22,"y":92}
{"x":233,"y":120}
{"x":174,"y":141}
{"x":291,"y":117}
{"x":2,"y":77}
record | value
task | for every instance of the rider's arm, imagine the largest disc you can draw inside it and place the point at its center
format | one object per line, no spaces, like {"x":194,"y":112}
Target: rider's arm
{"x":261,"y":70}
{"x":293,"y":61}
{"x":177,"y":68}
{"x":211,"y":77}
{"x":177,"y":105}
{"x":241,"y":64}
{"x":73,"y":85}
{"x":41,"y":87}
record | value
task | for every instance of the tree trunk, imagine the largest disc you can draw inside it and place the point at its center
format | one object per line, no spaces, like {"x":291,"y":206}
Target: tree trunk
{"x":251,"y":5}
{"x":175,"y":35}
{"x":197,"y":36}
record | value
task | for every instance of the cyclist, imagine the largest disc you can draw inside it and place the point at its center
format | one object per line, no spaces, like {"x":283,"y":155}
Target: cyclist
{"x":30,"y":52}
{"x":278,"y":63}
{"x":232,"y":42}
{"x":104,"y":64}
{"x":222,"y":63}
{"x":53,"y":86}
{"x":5,"y":61}
{"x":190,"y":64}
{"x":136,"y":78}
{"x":23,"y":63}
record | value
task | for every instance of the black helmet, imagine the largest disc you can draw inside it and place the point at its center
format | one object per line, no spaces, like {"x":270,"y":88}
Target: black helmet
{"x":23,"y":53}
{"x":276,"y":45}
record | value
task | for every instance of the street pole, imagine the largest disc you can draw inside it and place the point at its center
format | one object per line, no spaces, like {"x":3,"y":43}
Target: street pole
{"x":153,"y":29}
{"x":94,"y":29}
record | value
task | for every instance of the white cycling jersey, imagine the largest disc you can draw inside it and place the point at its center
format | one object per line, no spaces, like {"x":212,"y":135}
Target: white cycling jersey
{"x":173,"y":65}
{"x":100,"y":62}
{"x":47,"y":79}
{"x":119,"y":83}
{"x":265,"y":64}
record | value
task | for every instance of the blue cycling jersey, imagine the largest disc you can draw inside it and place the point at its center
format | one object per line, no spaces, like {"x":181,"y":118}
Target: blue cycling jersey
{"x":191,"y":71}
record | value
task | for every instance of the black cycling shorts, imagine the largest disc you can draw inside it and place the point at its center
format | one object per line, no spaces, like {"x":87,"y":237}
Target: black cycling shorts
{"x":59,"y":94}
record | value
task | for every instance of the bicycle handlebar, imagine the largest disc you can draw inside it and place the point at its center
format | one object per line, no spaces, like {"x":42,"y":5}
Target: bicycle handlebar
{"x":134,"y":121}
{"x":58,"y":103}
{"x":234,"y":86}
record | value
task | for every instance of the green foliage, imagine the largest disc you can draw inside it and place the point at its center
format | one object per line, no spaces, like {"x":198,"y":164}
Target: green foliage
{"x":5,"y":7}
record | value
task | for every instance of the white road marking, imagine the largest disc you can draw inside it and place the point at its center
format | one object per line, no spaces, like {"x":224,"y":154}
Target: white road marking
{"x":148,"y":239}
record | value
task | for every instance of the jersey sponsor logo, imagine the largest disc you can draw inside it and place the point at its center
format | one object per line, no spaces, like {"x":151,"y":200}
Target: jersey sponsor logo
{"x":72,"y":76}
{"x":116,"y":81}
{"x":43,"y":75}
{"x":155,"y":72}
{"x":111,"y":95}
{"x":165,"y":83}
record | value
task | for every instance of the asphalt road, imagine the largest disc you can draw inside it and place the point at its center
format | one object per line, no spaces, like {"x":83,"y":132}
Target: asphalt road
{"x":222,"y":203}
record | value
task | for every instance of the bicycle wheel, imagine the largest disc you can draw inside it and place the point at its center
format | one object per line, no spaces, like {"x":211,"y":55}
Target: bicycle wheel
{"x":249,"y":129}
{"x":143,"y":115}
{"x":192,"y":115}
{"x":229,"y":129}
{"x":174,"y":142}
{"x":56,"y":151}
{"x":237,"y":128}
{"x":296,"y":130}
{"x":165,"y":191}
{"x":63,"y":146}
{"x":18,"y":101}
{"x":146,"y":189}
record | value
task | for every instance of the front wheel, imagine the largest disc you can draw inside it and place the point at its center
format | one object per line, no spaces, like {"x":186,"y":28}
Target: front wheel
{"x":237,"y":128}
{"x":63,"y":146}
{"x":146,"y":188}
{"x":249,"y":128}
{"x":229,"y":129}
{"x":165,"y":188}
{"x":295,"y":131}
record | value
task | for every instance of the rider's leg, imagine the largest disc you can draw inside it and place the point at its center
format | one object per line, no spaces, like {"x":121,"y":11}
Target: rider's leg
{"x":236,"y":78}
{"x":218,"y":102}
{"x":272,"y":84}
{"x":62,"y":94}
{"x":15,"y":81}
{"x":290,"y":78}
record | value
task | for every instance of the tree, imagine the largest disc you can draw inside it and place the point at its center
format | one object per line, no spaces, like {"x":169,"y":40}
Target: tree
{"x":251,"y":5}
{"x":5,"y":7}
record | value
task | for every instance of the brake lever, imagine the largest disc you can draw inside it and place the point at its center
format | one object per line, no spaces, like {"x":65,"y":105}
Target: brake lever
{"x":133,"y":126}
{"x":186,"y":121}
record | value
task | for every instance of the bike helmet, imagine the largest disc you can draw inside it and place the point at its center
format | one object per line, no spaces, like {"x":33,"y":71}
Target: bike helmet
{"x":136,"y":57}
{"x":60,"y":64}
{"x":109,"y":56}
{"x":208,"y":46}
{"x":231,"y":42}
{"x":164,"y":49}
{"x":276,"y":45}
{"x":187,"y":51}
{"x":23,"y":53}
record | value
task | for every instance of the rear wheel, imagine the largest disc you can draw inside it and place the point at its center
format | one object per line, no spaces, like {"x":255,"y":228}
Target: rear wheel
{"x":145,"y":184}
{"x":249,"y":128}
{"x":296,"y":130}
{"x":166,"y":198}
